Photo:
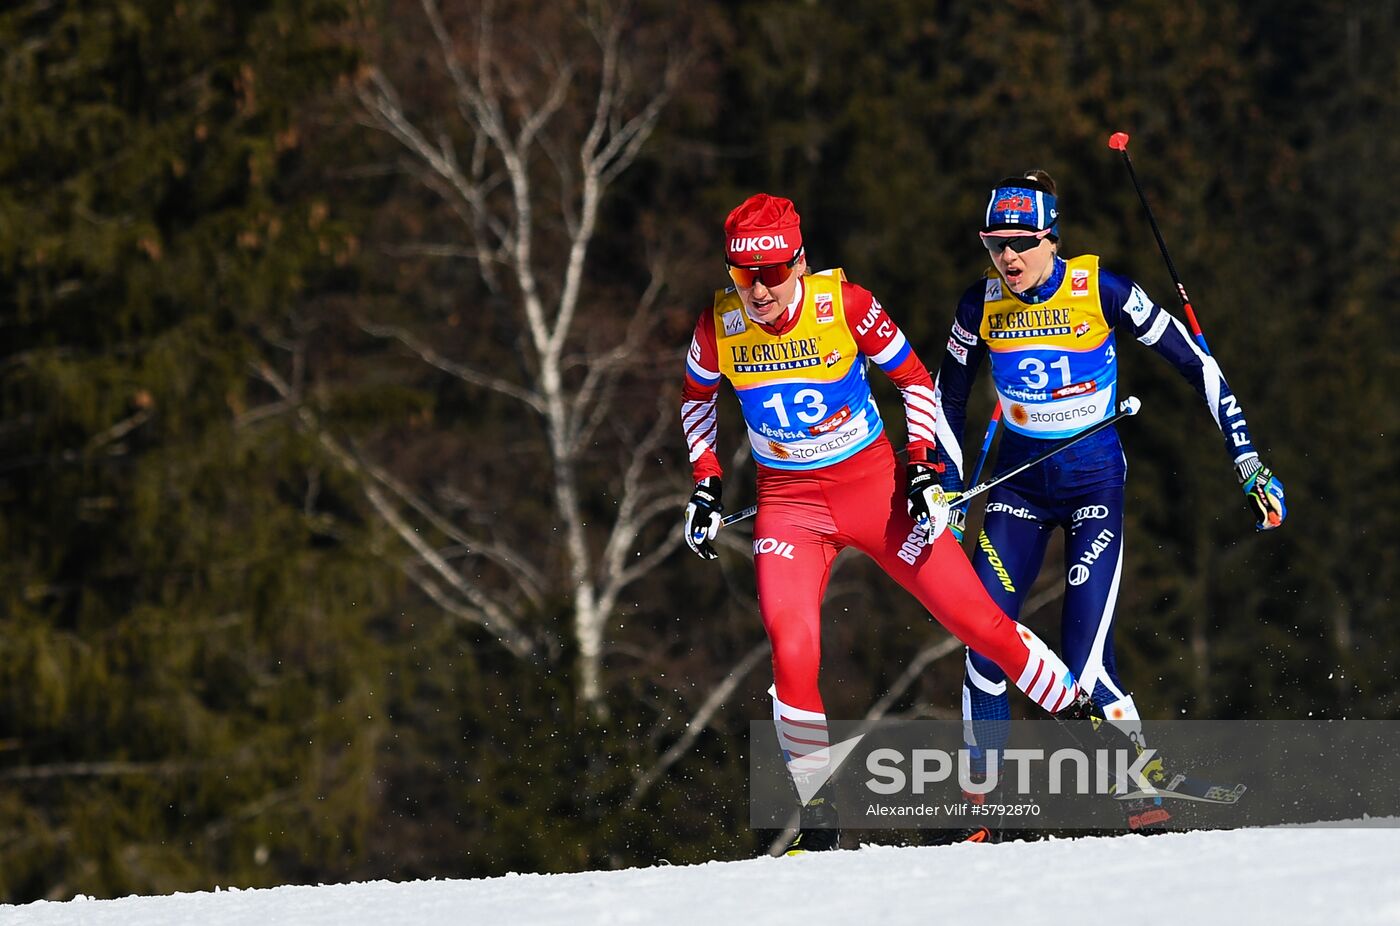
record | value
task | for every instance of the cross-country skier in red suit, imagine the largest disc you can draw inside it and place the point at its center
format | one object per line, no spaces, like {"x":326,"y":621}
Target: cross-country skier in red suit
{"x":794,"y":346}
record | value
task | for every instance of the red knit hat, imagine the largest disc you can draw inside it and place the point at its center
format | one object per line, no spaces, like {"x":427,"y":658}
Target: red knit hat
{"x":761,"y":230}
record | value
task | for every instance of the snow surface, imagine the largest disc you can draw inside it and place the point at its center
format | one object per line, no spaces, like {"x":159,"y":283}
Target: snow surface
{"x":1277,"y":876}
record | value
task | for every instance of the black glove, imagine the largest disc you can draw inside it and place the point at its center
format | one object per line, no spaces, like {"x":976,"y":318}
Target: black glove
{"x":928,"y":503}
{"x":702,"y":517}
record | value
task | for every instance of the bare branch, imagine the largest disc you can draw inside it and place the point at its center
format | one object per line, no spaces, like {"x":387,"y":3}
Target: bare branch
{"x":461,"y":371}
{"x":603,"y":370}
{"x":384,"y":104}
{"x":270,"y":410}
{"x":96,"y":770}
{"x":911,"y":673}
{"x":489,"y":614}
{"x":602,"y":112}
{"x":655,"y":556}
{"x":512,"y":111}
{"x":526,"y":575}
{"x":522,"y":647}
{"x":722,"y":693}
{"x":629,"y":522}
{"x":221,"y":827}
{"x":466,"y":91}
{"x":430,"y":249}
{"x":117,"y":431}
{"x":558,"y":93}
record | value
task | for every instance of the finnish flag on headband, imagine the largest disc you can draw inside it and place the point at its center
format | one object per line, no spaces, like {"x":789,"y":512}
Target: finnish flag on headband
{"x":1021,"y":207}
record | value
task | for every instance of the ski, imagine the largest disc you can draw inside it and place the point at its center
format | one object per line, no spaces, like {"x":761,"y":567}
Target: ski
{"x":1184,"y":787}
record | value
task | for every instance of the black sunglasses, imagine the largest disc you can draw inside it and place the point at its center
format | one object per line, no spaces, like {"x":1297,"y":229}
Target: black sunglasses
{"x":1018,"y":243}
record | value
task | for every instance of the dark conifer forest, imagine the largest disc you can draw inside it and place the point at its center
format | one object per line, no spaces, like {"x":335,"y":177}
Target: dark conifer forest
{"x":341,"y":344}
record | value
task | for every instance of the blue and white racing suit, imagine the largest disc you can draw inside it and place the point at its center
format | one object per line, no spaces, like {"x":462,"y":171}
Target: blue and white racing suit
{"x":1055,"y":366}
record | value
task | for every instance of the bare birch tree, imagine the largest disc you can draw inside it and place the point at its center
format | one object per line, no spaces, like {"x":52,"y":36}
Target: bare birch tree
{"x":545,"y":107}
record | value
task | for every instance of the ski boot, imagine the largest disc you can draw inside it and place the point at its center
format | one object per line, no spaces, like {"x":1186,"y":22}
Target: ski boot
{"x":819,"y":827}
{"x":982,"y":827}
{"x":1148,"y":814}
{"x":1144,"y":814}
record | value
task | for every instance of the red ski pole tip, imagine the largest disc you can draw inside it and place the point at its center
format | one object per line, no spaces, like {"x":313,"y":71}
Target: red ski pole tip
{"x":1118,"y":141}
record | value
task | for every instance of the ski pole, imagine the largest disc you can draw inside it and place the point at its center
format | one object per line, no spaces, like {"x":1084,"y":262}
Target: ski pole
{"x":1126,"y":408}
{"x":986,"y":445}
{"x":1118,"y":141}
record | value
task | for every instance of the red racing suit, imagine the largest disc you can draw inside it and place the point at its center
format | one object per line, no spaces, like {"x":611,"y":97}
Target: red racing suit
{"x":827,"y":479}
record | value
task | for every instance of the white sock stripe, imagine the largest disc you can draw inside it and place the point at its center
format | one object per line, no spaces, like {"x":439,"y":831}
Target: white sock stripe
{"x":1044,"y":679}
{"x":969,"y":736}
{"x":1063,"y":686}
{"x":801,"y":748}
{"x":802,"y":732}
{"x":981,"y":682}
{"x":1029,"y":673}
{"x":802,"y":735}
{"x":782,"y":709}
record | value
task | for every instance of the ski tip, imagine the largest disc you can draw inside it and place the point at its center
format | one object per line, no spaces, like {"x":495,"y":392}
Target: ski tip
{"x":1118,"y":141}
{"x":1130,"y":405}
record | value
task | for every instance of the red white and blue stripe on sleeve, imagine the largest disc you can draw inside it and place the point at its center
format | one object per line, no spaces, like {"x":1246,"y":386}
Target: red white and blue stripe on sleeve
{"x":699,"y":394}
{"x":879,"y":338}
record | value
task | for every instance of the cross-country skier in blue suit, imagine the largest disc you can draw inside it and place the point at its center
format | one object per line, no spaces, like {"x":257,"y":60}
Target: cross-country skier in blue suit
{"x":1049,"y":326}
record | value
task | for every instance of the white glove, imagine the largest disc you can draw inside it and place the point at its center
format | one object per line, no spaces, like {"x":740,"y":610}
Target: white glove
{"x":928,"y":503}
